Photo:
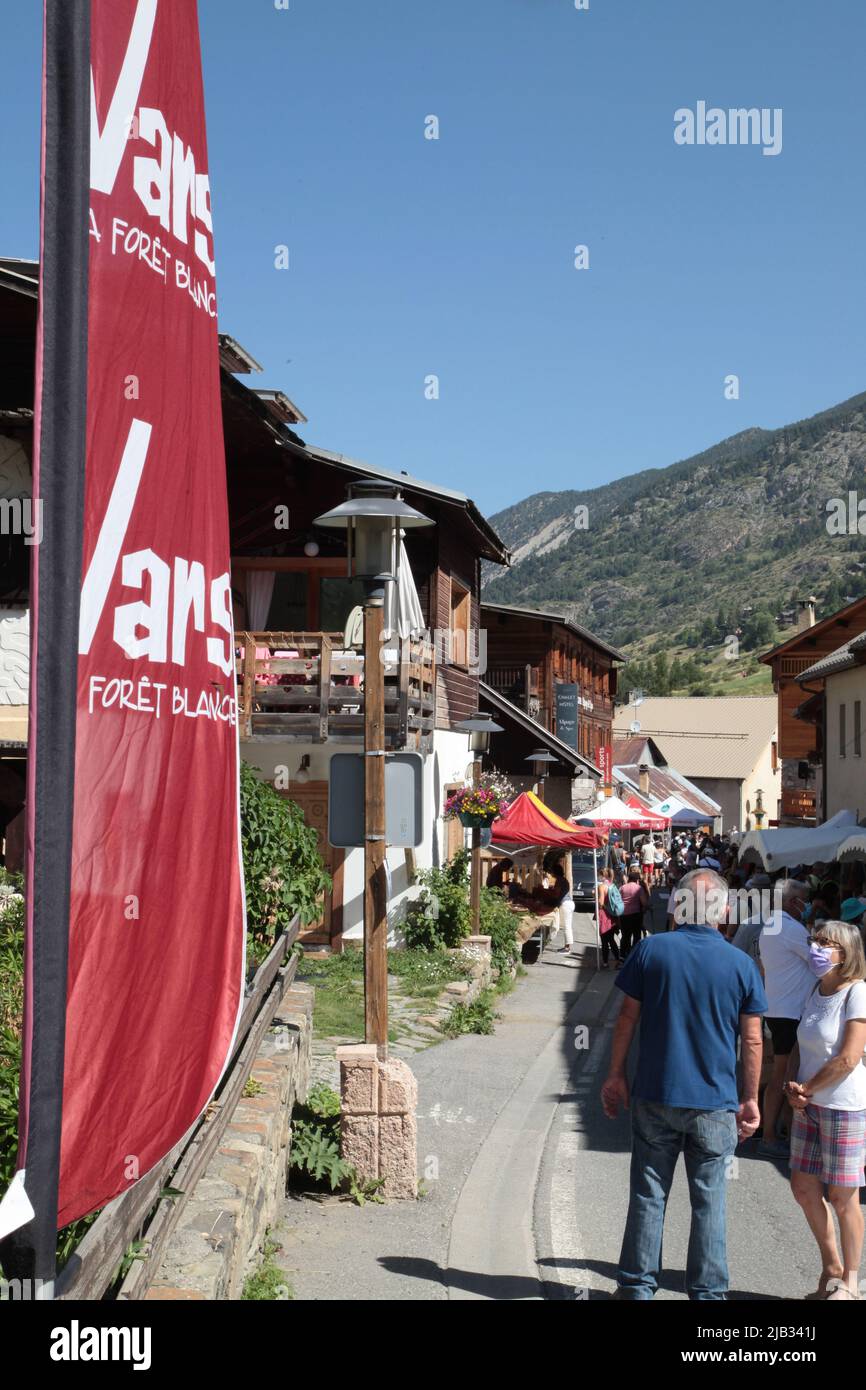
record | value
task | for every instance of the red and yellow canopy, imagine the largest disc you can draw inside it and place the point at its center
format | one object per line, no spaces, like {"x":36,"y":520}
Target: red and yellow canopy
{"x":529,"y":822}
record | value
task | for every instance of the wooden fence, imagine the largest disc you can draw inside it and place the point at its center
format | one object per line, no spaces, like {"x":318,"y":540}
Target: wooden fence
{"x":94,"y":1265}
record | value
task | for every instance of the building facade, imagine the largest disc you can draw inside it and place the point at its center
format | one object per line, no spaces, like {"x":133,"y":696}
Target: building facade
{"x":837,"y":720}
{"x":534,"y":658}
{"x":726,"y":745}
{"x":800,"y":748}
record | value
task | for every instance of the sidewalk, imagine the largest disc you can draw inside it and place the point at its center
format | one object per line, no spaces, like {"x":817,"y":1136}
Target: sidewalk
{"x":332,"y":1249}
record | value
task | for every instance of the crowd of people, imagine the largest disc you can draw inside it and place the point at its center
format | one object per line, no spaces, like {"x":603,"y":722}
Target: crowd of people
{"x":709,"y":996}
{"x":723,"y":965}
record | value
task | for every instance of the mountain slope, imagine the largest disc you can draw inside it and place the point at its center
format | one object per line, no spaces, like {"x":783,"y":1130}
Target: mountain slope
{"x":668,"y":554}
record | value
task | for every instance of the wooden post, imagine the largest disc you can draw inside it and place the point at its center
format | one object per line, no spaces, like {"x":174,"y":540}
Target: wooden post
{"x":475,"y":868}
{"x":324,"y":687}
{"x":249,"y":683}
{"x":375,"y":884}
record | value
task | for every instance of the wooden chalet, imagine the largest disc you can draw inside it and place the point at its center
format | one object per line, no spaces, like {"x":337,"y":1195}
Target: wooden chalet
{"x":530,"y":653}
{"x":800,"y":704}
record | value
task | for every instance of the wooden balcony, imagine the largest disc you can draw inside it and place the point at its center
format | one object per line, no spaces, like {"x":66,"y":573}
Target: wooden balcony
{"x":303,"y":686}
{"x":519,"y":684}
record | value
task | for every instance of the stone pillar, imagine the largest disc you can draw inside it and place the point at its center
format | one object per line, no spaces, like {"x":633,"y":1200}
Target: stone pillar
{"x":378,"y":1133}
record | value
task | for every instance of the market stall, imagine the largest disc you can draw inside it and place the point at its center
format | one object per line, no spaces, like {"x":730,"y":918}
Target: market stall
{"x":528,"y":822}
{"x":785,"y":847}
{"x":616,"y":814}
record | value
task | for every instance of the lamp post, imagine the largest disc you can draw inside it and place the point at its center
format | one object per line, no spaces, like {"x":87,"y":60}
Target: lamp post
{"x":373,"y":517}
{"x":759,"y":809}
{"x":479,"y":728}
{"x":540,"y":759}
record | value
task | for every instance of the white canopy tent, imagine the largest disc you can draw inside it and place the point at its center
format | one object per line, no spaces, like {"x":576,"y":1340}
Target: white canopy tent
{"x":854,"y":848}
{"x":614,"y":814}
{"x":787,"y":846}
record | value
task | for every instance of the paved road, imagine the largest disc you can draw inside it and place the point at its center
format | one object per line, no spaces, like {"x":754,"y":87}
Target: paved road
{"x":527,"y":1181}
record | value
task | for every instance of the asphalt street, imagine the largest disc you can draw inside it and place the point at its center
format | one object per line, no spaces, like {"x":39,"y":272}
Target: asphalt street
{"x":526,"y":1181}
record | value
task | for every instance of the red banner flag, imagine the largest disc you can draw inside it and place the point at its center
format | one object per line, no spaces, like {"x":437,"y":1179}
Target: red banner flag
{"x":604,"y":762}
{"x":156,"y":916}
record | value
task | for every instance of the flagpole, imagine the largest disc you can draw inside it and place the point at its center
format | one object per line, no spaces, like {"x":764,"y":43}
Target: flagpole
{"x":58,"y":482}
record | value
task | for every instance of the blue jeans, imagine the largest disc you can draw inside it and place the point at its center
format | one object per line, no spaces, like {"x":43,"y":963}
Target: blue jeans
{"x":708,"y":1139}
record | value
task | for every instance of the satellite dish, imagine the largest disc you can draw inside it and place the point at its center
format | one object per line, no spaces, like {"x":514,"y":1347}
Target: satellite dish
{"x":634,"y":727}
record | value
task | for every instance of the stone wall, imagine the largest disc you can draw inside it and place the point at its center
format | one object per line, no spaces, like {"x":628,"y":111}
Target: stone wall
{"x":218,"y":1239}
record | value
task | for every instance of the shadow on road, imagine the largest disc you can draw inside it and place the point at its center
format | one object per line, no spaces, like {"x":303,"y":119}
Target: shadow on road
{"x":501,"y":1287}
{"x":671,"y":1280}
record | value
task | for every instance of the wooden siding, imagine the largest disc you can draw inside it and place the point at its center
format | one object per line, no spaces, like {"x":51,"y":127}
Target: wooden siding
{"x":555,"y":654}
{"x":797,"y":737}
{"x":456,"y":686}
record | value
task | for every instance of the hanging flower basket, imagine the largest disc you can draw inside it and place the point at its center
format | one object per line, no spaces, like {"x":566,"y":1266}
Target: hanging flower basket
{"x":476,"y":807}
{"x":476,"y":822}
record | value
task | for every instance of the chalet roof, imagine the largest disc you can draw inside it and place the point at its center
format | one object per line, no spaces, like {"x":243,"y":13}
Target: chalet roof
{"x":21,"y":276}
{"x":563,"y":751}
{"x":633,"y":750}
{"x":708,"y":736}
{"x":852,"y":653}
{"x":665,"y":783}
{"x":280,"y":408}
{"x":556,"y":618}
{"x":235,"y":358}
{"x":851,"y":614}
{"x":493,"y":548}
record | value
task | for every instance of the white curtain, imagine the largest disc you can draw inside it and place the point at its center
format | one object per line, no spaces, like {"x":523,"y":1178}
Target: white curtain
{"x":260,"y":591}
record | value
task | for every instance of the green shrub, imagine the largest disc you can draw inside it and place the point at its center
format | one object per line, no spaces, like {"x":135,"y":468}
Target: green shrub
{"x":283,"y":870}
{"x":315,"y":1148}
{"x":477,"y":1017}
{"x":439,"y":916}
{"x":12,"y":917}
{"x":499,"y":923}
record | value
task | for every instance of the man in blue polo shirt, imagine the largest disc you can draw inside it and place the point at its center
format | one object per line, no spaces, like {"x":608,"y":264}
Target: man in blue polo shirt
{"x":693,"y":995}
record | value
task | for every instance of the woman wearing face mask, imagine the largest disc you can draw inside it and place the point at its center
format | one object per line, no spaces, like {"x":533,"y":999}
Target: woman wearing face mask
{"x":828,"y":1099}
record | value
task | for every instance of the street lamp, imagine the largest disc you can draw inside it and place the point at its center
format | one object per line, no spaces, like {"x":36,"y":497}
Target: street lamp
{"x":759,"y":808}
{"x":540,"y":759}
{"x":373,"y":517}
{"x":479,"y":728}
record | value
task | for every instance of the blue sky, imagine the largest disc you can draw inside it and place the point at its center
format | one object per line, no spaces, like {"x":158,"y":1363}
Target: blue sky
{"x":411,"y":257}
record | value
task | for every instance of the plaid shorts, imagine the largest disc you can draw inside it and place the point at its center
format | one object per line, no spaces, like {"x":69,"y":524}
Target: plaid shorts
{"x":830,"y":1144}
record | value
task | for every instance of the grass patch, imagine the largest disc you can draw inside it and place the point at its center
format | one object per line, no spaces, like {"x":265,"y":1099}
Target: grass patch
{"x":424,"y":974}
{"x":268,"y":1282}
{"x":338,"y":1011}
{"x":338,"y":1008}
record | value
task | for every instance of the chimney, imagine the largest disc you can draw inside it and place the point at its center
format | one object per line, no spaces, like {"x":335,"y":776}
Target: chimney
{"x":806,"y":613}
{"x":643,"y":777}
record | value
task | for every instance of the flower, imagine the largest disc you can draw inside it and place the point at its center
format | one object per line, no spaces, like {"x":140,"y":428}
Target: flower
{"x":476,"y":801}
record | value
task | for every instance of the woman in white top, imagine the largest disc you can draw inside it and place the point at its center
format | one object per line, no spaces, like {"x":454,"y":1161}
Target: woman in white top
{"x":828,"y":1099}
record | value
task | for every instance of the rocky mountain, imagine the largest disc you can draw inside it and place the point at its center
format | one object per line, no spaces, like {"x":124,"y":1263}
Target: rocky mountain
{"x":666,"y":559}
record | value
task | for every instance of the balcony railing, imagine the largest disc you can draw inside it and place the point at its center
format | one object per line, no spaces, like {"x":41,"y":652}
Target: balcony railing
{"x":304,"y":686}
